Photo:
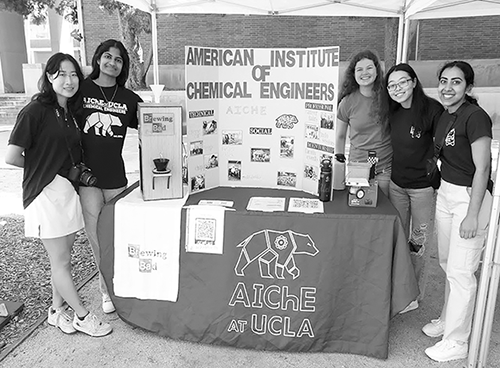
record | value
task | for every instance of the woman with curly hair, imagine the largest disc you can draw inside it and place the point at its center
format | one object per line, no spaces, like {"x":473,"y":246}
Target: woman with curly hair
{"x":362,"y":109}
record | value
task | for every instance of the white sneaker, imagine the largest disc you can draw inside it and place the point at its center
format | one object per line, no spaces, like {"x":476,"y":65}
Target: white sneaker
{"x":446,"y":350}
{"x":91,"y":325}
{"x":58,"y":317}
{"x":107,"y":304}
{"x":412,"y":306}
{"x":434,"y":329}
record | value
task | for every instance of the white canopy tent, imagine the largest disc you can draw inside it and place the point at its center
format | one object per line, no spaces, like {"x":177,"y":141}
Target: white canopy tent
{"x":405,"y":10}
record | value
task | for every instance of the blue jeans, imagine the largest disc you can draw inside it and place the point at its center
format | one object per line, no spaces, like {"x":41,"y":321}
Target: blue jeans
{"x":93,"y":200}
{"x":416,"y":209}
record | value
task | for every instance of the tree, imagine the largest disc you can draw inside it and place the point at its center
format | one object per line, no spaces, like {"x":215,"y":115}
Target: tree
{"x":37,"y":8}
{"x":132,"y":23}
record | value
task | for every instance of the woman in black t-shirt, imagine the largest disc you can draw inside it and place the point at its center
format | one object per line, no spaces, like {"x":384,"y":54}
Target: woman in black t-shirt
{"x":462,"y":207}
{"x":45,"y":142}
{"x":109,"y":109}
{"x":413,"y":117}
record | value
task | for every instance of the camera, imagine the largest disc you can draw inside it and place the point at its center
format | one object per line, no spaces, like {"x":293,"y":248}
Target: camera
{"x":80,"y":173}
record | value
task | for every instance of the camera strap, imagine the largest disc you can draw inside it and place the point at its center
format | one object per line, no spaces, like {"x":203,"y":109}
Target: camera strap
{"x":63,"y":123}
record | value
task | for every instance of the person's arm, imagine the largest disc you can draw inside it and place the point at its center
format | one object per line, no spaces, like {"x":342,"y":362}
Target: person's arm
{"x":14,"y":155}
{"x":340,"y":136}
{"x":481,"y":154}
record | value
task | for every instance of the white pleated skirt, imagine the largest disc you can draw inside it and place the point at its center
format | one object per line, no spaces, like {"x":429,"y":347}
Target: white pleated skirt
{"x":55,"y":212}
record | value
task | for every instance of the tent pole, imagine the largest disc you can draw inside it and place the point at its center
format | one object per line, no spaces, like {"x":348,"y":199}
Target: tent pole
{"x":154,"y":34}
{"x":406,"y":36}
{"x":486,"y":295}
{"x":400,"y":38}
{"x":490,"y":308}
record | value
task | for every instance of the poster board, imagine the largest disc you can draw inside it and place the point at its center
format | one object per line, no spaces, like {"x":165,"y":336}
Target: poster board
{"x":160,"y":136}
{"x":260,"y":117}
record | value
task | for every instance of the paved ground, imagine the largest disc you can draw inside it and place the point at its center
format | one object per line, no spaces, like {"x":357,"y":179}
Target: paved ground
{"x":132,"y":347}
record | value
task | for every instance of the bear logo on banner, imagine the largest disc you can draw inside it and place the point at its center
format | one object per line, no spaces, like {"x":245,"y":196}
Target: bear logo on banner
{"x":275,"y":252}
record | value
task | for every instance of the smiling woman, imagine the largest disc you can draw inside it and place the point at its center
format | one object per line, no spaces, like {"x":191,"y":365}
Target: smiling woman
{"x":463,"y":200}
{"x":413,"y":118}
{"x":109,"y":109}
{"x":363,"y":110}
{"x":45,"y":142}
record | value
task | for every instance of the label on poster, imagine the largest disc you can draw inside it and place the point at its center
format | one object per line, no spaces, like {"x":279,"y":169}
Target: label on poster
{"x":158,"y":123}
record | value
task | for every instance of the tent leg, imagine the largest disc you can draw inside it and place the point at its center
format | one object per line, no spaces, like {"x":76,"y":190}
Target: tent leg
{"x":400,"y":39}
{"x":154,"y":36}
{"x":406,"y":37}
{"x":487,"y":290}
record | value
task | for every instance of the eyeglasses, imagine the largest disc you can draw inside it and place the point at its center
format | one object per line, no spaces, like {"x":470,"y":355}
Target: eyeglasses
{"x":401,"y":84}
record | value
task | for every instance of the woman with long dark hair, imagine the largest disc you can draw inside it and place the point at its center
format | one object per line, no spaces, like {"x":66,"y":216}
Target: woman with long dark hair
{"x":413,"y":117}
{"x":45,"y":142}
{"x":362,"y":109}
{"x":109,"y":108}
{"x":463,"y":205}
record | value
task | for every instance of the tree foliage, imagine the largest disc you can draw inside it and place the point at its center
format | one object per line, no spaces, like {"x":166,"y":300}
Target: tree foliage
{"x":37,"y":9}
{"x":133,"y":23}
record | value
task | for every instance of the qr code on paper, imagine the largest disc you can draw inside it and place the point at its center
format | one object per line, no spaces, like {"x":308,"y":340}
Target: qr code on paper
{"x":204,"y":231}
{"x":306,"y":204}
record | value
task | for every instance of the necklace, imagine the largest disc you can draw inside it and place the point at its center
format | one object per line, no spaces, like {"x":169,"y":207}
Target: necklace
{"x":114,"y":93}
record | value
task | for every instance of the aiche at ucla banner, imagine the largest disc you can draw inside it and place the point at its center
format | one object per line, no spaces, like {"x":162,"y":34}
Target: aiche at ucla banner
{"x":260,"y":117}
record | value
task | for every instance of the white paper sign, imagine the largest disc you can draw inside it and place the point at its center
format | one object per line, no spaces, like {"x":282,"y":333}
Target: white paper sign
{"x":266,"y":204}
{"x":205,"y":229}
{"x":305,"y":205}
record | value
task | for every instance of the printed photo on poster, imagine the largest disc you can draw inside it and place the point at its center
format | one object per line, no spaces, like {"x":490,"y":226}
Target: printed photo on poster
{"x":311,"y":172}
{"x":260,"y":154}
{"x":312,"y":131}
{"x":327,"y":121}
{"x":209,"y":127}
{"x":232,"y":137}
{"x":211,"y":161}
{"x":234,"y":170}
{"x":287,"y":147}
{"x":197,"y":182}
{"x":287,"y":179}
{"x":196,"y":148}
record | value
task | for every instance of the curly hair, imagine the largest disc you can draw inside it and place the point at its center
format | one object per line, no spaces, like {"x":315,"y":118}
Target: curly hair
{"x":379,"y":107}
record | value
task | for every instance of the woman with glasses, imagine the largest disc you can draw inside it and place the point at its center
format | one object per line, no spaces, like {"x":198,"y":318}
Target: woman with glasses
{"x":463,"y":207}
{"x":413,"y":118}
{"x":362,"y":110}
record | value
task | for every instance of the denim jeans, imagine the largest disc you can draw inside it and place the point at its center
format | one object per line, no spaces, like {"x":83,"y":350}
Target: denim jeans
{"x":459,"y":258}
{"x":93,"y":200}
{"x":416,"y":209}
{"x":383,"y":178}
